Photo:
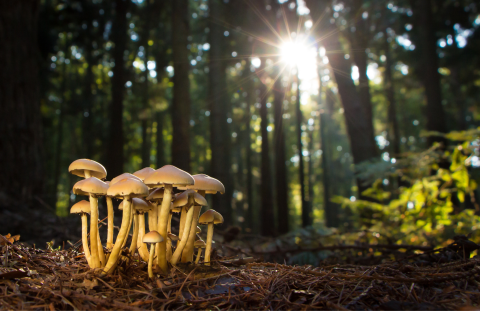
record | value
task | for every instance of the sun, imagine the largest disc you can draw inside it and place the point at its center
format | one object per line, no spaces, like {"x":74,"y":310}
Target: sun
{"x":295,"y":53}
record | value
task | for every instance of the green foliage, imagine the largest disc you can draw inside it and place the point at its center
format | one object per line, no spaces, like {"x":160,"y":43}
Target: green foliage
{"x":435,"y":198}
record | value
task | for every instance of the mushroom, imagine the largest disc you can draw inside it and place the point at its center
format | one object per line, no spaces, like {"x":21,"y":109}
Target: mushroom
{"x":127,"y":189}
{"x":153,"y":237}
{"x":140,"y":207}
{"x":199,"y":244}
{"x":171,"y":237}
{"x":210,"y":218}
{"x":166,"y":177}
{"x":187,"y":199}
{"x":93,"y":187}
{"x":83,"y":208}
{"x":144,"y":172}
{"x":87,"y":168}
{"x":203,"y":184}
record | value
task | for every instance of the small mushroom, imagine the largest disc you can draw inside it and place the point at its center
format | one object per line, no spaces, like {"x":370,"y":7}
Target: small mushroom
{"x":126,"y":189}
{"x":171,"y":237}
{"x":188,"y":199}
{"x":199,"y":244}
{"x":87,"y":168}
{"x":93,"y":187}
{"x":210,"y":218}
{"x":166,"y":177}
{"x":203,"y":184}
{"x":83,"y":208}
{"x":144,"y":172}
{"x":140,"y":207}
{"x":152,"y":238}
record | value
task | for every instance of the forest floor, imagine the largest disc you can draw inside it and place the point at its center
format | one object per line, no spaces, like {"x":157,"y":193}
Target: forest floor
{"x":49,"y":279}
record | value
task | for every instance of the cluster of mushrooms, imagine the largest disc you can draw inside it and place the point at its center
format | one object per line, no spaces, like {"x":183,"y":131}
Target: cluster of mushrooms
{"x":146,"y":191}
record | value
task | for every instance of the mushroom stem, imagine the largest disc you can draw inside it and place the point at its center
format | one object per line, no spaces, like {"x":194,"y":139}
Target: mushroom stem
{"x":101,"y":253}
{"x":208,"y":249}
{"x":86,"y":250}
{"x":169,"y":249}
{"x":110,"y":223}
{"x":183,"y":215}
{"x":198,"y":255}
{"x":187,"y":255}
{"x":150,"y":260}
{"x":162,"y":228}
{"x":133,"y":244}
{"x":129,"y":226}
{"x":142,"y":249}
{"x":112,"y":260}
{"x":153,"y":217}
{"x":183,"y":241}
{"x":94,"y":231}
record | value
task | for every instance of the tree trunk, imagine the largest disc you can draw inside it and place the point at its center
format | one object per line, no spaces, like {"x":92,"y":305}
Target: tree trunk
{"x":220,"y":137}
{"x":160,"y":142}
{"x":306,"y":212}
{"x":431,"y":78}
{"x":20,"y":118}
{"x":249,"y":214}
{"x":267,"y":223}
{"x":145,"y":114}
{"x":88,"y":99}
{"x":181,"y":86}
{"x":393,"y":130}
{"x":119,"y":37}
{"x":280,"y":166}
{"x":359,"y":129}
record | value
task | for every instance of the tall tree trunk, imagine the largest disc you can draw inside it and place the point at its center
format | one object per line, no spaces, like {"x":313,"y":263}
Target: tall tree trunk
{"x":359,"y":128}
{"x":87,"y":117}
{"x":306,"y":212}
{"x":181,"y":86}
{"x":250,"y":215}
{"x":267,"y":215}
{"x":119,"y":37}
{"x":145,"y":111}
{"x":393,"y":129}
{"x":280,"y":166}
{"x":220,"y":137}
{"x":20,"y":118}
{"x":431,"y":78}
{"x":61,"y":117}
{"x":160,"y":141}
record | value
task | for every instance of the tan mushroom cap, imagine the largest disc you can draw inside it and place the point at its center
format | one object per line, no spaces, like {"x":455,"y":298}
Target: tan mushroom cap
{"x":157,"y":195}
{"x":80,"y":207}
{"x":182,"y":199}
{"x":207,"y":184}
{"x":78,"y":167}
{"x":200,"y":244}
{"x":211,"y":216}
{"x":123,"y":176}
{"x":89,"y":186}
{"x":169,"y":175}
{"x":144,"y":172}
{"x":138,"y":204}
{"x":152,"y":237}
{"x":173,"y":237}
{"x":128,"y":187}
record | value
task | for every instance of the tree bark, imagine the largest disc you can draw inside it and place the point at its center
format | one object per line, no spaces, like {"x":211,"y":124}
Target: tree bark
{"x":359,"y":128}
{"x":306,"y":212}
{"x":280,"y":166}
{"x":20,"y":118}
{"x":145,"y":98}
{"x":181,"y":86}
{"x":220,"y":137}
{"x":119,"y":37}
{"x":267,"y":222}
{"x":393,"y":129}
{"x":431,"y":78}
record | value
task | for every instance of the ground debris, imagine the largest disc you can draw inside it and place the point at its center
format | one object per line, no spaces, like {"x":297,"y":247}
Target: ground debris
{"x":35,"y":279}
